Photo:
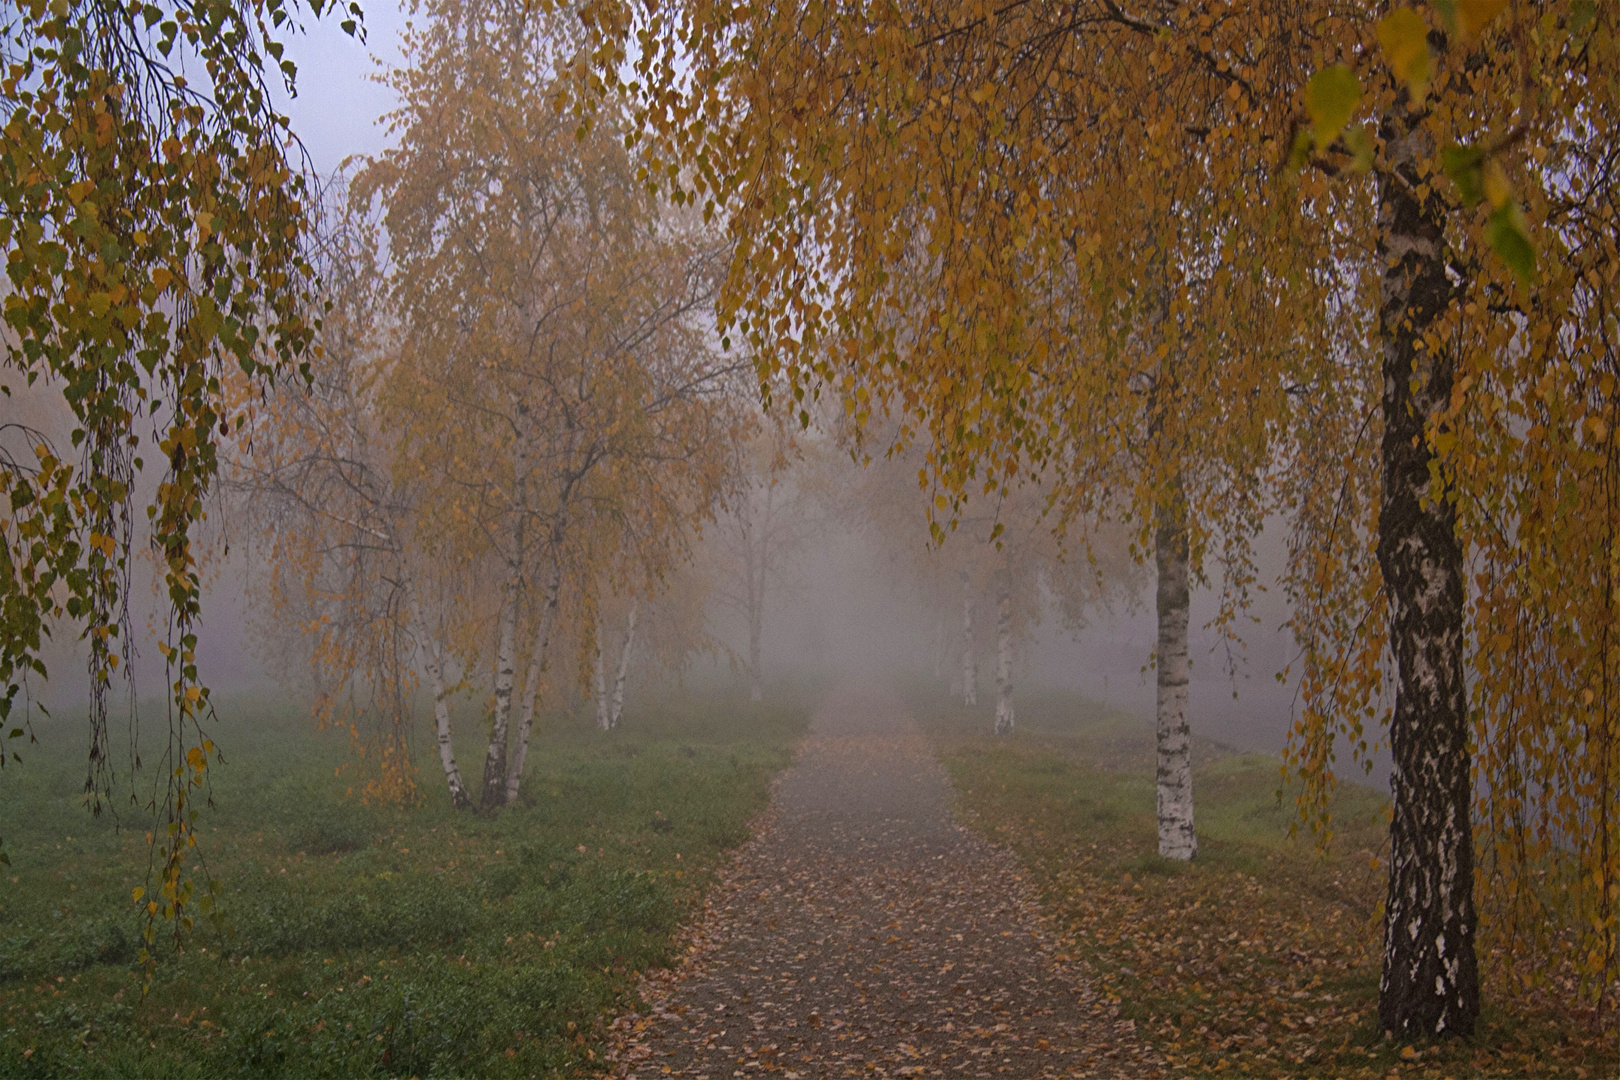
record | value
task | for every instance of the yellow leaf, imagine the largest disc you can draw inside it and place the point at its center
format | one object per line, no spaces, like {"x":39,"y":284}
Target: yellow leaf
{"x":1498,"y":189}
{"x":1475,"y":15}
{"x":1405,"y":38}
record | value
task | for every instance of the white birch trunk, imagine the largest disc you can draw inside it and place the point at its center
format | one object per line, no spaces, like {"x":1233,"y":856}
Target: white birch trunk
{"x":441,"y":725}
{"x":1004,"y":654}
{"x":970,"y":671}
{"x":624,"y":667}
{"x":599,"y":681}
{"x":531,"y":683}
{"x":1177,"y":839}
{"x":1429,"y":987}
{"x":506,"y":632}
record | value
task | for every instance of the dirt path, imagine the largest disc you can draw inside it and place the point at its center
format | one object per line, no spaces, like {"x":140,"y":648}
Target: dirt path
{"x":865,"y":933}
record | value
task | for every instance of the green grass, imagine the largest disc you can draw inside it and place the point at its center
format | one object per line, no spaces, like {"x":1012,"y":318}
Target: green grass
{"x":366,"y":940}
{"x":1259,"y":958}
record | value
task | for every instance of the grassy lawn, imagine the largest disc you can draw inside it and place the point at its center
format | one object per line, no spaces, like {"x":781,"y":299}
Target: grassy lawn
{"x":1259,"y":958}
{"x":368,"y":940}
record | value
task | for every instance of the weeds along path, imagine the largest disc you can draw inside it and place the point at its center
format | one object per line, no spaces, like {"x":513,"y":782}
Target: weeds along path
{"x":866,"y":933}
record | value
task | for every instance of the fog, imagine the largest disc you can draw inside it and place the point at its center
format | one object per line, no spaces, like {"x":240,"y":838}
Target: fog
{"x":846,"y":610}
{"x":843,"y":608}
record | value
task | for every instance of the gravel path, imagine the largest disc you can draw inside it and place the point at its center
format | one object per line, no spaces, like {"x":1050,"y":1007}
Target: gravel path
{"x":865,"y":933}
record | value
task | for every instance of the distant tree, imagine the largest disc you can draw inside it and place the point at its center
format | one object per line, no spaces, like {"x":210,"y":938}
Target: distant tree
{"x":1009,"y":549}
{"x":770,"y":517}
{"x":330,"y":521}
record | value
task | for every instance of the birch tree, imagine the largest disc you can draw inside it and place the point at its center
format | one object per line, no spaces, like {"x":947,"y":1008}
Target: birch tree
{"x":609,"y":707}
{"x":1473,"y":331}
{"x":556,"y":379}
{"x":156,"y":240}
{"x":522,"y":404}
{"x":769,"y":520}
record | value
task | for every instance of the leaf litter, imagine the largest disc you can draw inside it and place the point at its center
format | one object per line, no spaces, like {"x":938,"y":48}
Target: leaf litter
{"x":863,"y":932}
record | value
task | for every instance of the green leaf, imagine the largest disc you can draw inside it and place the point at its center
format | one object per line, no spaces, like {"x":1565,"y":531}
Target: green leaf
{"x":1300,"y":152}
{"x":1581,"y":14}
{"x":1509,"y":236}
{"x":1331,"y":98}
{"x":1405,"y":40}
{"x":1361,"y":147}
{"x":1464,"y":166}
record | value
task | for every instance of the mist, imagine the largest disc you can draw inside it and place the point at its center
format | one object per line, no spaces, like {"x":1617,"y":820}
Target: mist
{"x":629,"y":540}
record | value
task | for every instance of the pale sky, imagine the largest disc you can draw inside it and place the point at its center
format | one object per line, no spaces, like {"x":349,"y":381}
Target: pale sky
{"x":338,"y":102}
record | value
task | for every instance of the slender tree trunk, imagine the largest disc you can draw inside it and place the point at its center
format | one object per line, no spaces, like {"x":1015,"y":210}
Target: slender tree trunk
{"x":1004,"y":654}
{"x":940,"y":646}
{"x":970,"y":671}
{"x":506,"y":632}
{"x":441,"y":725}
{"x":1430,"y":982}
{"x":624,"y":666}
{"x":756,"y":627}
{"x":1177,"y":840}
{"x":531,"y":684}
{"x":599,"y":681}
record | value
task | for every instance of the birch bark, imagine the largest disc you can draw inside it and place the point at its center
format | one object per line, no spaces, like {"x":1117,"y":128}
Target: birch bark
{"x":1004,"y":654}
{"x":495,"y":763}
{"x":624,"y":667}
{"x":1177,"y":840}
{"x":1430,"y":980}
{"x":441,"y":727}
{"x":531,"y":682}
{"x":495,"y":756}
{"x":970,"y":671}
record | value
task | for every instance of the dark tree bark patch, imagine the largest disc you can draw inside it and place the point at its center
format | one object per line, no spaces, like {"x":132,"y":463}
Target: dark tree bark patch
{"x":865,"y":933}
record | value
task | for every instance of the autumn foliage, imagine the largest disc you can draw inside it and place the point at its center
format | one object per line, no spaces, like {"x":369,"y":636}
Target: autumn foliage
{"x":1174,"y":269}
{"x":1215,"y":262}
